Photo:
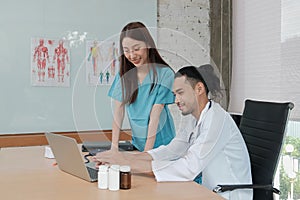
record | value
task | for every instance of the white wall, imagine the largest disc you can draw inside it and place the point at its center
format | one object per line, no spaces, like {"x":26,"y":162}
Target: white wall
{"x":183,"y":37}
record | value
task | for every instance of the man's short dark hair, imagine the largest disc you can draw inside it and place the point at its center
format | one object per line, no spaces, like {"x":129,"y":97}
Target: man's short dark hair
{"x":204,"y":74}
{"x":192,"y":76}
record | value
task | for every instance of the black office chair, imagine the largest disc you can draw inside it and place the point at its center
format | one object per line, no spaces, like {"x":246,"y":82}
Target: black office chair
{"x":263,"y":127}
{"x":236,"y":118}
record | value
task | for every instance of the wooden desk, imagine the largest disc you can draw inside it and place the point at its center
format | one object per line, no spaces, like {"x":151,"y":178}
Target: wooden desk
{"x":26,"y":174}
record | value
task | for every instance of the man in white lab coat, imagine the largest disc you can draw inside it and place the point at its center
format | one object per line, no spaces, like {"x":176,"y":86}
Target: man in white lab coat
{"x":210,"y":149}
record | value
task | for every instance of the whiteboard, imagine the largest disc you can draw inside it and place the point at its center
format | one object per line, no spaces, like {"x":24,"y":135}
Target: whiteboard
{"x":28,"y":109}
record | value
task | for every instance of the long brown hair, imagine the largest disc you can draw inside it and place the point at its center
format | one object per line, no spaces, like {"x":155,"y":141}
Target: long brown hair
{"x":137,"y":31}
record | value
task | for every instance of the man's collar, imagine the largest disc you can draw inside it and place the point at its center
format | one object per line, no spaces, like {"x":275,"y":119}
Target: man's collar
{"x":206,"y":108}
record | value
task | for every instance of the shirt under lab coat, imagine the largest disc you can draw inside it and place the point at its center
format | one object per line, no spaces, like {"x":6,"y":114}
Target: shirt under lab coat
{"x":212,"y":145}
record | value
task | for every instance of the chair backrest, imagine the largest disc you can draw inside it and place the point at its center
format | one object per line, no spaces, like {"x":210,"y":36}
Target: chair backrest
{"x":263,"y":127}
{"x":236,"y":118}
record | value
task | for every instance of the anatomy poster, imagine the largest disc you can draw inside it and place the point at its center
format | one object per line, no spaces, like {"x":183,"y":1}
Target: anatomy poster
{"x":50,"y":62}
{"x":101,"y":62}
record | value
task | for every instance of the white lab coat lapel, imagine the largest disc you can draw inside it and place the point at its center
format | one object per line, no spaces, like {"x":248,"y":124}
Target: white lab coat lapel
{"x":196,"y":131}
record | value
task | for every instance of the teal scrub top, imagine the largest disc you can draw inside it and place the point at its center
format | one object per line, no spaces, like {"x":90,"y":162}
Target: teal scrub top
{"x":139,"y":112}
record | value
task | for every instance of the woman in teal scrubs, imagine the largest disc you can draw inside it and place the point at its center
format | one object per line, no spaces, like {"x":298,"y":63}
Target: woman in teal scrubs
{"x":143,"y":88}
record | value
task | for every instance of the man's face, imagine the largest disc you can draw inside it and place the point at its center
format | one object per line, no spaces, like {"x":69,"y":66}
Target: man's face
{"x":185,"y":96}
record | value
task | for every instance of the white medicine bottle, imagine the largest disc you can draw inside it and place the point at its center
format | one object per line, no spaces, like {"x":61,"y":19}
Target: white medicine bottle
{"x":114,"y":177}
{"x":103,"y":177}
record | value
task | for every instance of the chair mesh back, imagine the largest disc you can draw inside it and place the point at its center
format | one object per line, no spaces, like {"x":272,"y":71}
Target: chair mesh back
{"x":263,"y":126}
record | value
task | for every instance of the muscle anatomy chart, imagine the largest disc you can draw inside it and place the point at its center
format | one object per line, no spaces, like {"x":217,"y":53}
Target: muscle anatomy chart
{"x":50,"y":62}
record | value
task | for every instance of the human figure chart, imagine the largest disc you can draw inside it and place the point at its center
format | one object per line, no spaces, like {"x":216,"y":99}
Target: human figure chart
{"x":113,"y":56}
{"x":61,"y":58}
{"x":50,"y":62}
{"x":107,"y":75}
{"x":102,"y":62}
{"x":101,"y":77}
{"x":95,"y":56}
{"x":40,"y":56}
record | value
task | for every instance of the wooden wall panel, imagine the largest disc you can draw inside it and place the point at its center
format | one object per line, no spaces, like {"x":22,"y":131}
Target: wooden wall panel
{"x":36,"y":139}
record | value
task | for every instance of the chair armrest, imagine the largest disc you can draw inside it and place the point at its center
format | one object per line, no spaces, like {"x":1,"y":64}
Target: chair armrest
{"x":224,"y":188}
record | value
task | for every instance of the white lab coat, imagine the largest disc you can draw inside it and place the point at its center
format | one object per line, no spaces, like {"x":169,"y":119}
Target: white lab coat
{"x":214,"y":147}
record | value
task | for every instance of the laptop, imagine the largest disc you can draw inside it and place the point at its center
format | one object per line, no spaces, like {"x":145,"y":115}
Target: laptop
{"x":69,"y":157}
{"x":93,"y":147}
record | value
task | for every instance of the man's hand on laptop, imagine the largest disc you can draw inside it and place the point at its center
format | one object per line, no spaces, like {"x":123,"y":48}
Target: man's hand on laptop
{"x":111,"y":157}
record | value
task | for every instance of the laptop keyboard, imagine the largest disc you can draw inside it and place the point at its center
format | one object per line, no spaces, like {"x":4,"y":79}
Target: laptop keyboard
{"x":93,"y":173}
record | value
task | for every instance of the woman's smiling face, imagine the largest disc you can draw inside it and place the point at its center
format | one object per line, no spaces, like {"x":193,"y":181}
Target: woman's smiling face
{"x":135,"y":51}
